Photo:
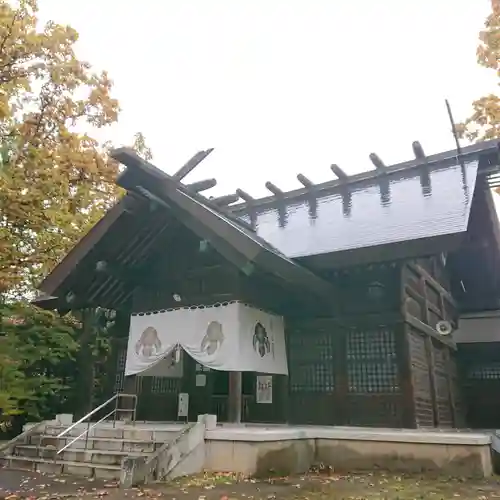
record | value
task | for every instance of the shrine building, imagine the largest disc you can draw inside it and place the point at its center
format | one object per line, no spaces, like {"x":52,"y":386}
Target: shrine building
{"x":368,"y":300}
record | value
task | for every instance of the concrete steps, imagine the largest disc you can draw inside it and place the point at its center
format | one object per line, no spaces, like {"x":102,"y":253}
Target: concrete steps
{"x":100,"y":455}
{"x":46,"y":466}
{"x":95,"y":443}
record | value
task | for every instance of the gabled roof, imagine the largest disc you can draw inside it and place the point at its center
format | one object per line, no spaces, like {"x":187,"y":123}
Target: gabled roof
{"x":417,"y":207}
{"x":230,"y":238}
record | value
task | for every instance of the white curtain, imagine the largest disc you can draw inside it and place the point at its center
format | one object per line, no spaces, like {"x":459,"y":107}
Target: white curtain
{"x":230,"y":337}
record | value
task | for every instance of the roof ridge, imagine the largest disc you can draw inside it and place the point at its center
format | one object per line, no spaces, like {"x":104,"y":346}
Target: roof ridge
{"x":244,"y":207}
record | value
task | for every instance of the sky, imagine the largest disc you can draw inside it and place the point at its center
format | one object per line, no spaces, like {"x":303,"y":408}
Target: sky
{"x":279,"y":87}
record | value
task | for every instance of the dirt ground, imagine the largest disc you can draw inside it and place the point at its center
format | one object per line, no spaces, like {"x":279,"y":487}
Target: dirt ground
{"x":312,"y":486}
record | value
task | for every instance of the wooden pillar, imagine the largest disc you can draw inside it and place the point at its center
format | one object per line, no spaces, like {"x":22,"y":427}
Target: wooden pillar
{"x":450,"y":372}
{"x":450,"y":369}
{"x":405,"y":376}
{"x":85,"y":362}
{"x":341,"y":393}
{"x":235,"y":397}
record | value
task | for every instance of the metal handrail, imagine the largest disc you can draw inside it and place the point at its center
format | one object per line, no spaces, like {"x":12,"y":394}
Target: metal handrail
{"x":86,"y":431}
{"x":114,"y":411}
{"x":72,"y":426}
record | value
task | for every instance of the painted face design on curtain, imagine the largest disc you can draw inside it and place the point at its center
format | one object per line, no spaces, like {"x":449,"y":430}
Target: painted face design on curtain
{"x":213,"y":339}
{"x":261,"y":343}
{"x":149,"y":344}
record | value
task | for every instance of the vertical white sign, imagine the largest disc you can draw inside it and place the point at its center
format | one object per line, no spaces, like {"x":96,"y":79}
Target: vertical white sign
{"x":183,"y":406}
{"x":264,"y":389}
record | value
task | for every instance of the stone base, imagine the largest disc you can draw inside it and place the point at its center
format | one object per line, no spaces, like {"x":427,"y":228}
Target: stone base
{"x":456,"y":454}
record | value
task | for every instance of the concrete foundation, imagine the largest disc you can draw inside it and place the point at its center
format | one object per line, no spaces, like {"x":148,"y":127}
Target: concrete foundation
{"x":263,"y":450}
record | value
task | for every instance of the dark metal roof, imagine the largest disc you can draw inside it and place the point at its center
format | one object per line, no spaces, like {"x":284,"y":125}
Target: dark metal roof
{"x":409,"y":206}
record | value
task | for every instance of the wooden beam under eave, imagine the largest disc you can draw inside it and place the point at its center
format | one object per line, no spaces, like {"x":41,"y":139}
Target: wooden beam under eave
{"x":199,"y":186}
{"x":117,"y":272}
{"x":191,"y":164}
{"x":341,"y":175}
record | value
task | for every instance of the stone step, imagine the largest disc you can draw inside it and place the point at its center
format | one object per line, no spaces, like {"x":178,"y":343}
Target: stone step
{"x":100,"y":471}
{"x":127,"y":433}
{"x":95,"y":443}
{"x":101,"y":457}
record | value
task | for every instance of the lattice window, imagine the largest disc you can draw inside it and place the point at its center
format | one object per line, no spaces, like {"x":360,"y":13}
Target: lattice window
{"x":488,"y":372}
{"x":164,"y":385}
{"x":120,"y":370}
{"x":372,"y":365}
{"x":312,"y":364}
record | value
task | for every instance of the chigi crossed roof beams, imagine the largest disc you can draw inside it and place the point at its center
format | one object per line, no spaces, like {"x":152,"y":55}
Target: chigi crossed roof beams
{"x":426,"y":197}
{"x":241,"y":202}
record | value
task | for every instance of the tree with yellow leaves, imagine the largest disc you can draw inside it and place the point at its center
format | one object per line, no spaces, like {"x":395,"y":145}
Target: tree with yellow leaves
{"x":56,"y":181}
{"x":56,"y":178}
{"x":484,"y":123}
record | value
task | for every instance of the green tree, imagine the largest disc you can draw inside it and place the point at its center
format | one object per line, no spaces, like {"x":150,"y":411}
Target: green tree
{"x":484,"y":122}
{"x":37,"y":353}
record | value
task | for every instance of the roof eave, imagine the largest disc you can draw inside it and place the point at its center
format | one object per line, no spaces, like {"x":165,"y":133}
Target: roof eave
{"x":235,"y":244}
{"x":56,"y":278}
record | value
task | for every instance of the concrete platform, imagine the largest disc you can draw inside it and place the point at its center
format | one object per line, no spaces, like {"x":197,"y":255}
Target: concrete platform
{"x":286,"y":450}
{"x":258,"y":449}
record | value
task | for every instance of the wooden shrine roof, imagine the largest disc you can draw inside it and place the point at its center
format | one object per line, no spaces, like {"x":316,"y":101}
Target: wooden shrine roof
{"x":400,"y":208}
{"x":413,"y":208}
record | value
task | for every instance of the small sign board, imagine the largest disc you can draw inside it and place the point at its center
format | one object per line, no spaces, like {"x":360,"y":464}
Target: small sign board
{"x":201,"y":380}
{"x":264,"y":389}
{"x":183,"y":407}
